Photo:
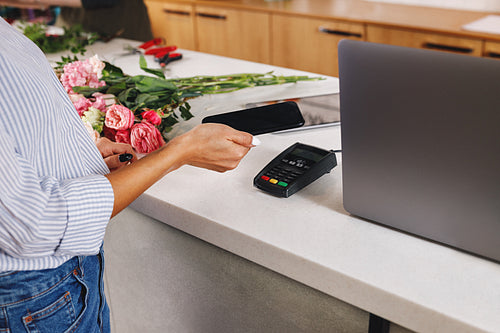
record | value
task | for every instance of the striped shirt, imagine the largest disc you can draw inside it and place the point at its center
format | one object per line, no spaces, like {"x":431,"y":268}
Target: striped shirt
{"x":55,"y":202}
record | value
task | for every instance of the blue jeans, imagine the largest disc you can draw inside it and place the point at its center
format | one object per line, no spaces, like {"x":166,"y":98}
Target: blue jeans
{"x":69,"y":298}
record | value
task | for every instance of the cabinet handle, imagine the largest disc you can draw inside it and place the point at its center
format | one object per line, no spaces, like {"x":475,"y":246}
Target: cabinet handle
{"x":338,"y":32}
{"x":213,"y":16}
{"x":441,"y":47}
{"x":493,"y":55}
{"x":176,"y":12}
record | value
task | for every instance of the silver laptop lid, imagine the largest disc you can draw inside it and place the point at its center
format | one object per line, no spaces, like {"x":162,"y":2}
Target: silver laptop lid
{"x":421,"y":142}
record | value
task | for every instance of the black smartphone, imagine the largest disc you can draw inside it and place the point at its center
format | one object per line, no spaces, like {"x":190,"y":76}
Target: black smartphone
{"x":318,"y":111}
{"x":261,"y":119}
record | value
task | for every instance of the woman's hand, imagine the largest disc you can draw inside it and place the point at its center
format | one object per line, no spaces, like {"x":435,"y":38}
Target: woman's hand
{"x":212,"y":146}
{"x":116,"y":155}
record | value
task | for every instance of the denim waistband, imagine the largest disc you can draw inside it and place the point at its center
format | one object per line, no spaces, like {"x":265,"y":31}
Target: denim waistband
{"x":20,"y":285}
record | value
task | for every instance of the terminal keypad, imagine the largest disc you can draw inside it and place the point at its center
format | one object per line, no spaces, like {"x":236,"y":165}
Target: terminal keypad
{"x":286,"y":172}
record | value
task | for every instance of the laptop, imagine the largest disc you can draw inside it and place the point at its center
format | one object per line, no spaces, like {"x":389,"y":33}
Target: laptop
{"x":421,"y":143}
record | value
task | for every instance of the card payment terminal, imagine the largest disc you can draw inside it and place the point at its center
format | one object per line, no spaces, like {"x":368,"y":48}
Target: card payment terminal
{"x":294,"y":168}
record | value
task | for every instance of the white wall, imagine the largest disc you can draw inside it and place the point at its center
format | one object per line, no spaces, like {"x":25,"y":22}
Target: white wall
{"x":477,"y":5}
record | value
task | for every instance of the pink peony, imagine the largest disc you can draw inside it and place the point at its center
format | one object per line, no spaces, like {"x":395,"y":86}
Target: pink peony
{"x":81,"y":105}
{"x":99,"y":103}
{"x":106,"y":99}
{"x":97,"y":65}
{"x":119,"y":117}
{"x":83,"y":73}
{"x":152,"y":117}
{"x":122,"y":136}
{"x":145,"y":138}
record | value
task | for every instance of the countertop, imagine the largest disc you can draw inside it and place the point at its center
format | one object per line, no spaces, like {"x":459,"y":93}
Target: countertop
{"x":309,"y":237}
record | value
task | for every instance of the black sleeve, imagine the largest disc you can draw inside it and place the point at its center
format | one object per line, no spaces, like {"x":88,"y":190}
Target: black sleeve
{"x":94,"y":4}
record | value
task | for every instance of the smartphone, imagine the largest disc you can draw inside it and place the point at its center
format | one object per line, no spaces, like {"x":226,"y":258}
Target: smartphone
{"x":261,"y":119}
{"x":318,"y":111}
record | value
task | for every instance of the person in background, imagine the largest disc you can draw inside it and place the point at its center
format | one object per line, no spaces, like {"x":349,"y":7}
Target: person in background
{"x":57,"y":193}
{"x":43,"y":15}
{"x":109,"y":18}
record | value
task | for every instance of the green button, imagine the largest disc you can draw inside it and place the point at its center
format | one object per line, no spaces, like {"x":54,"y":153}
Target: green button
{"x":283,"y":184}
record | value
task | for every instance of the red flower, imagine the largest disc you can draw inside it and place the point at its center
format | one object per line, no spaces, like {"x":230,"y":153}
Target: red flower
{"x":152,"y":117}
{"x":122,"y":136}
{"x":109,"y":133}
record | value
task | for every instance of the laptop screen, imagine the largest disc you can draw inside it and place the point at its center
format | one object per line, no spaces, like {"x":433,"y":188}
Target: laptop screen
{"x":421,"y":143}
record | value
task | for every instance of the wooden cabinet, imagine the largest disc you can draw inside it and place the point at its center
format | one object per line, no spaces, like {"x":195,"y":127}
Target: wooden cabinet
{"x":304,"y":34}
{"x":431,"y":41}
{"x":233,"y":33}
{"x":491,"y":50}
{"x":310,"y":44}
{"x":174,"y":22}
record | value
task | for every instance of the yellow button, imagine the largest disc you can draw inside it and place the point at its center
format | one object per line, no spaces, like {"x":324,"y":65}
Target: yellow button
{"x":273,"y":181}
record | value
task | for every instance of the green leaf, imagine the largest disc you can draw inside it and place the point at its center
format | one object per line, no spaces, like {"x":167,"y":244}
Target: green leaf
{"x":144,"y":66}
{"x":144,"y":99}
{"x":117,"y":88}
{"x":87,"y":91}
{"x":152,"y":84}
{"x":127,"y":94}
{"x":168,"y":122}
{"x":185,"y":111}
{"x":114,"y":80}
{"x":111,"y":70}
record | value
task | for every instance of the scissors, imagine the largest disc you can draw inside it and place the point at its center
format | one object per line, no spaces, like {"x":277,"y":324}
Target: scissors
{"x":149,"y":47}
{"x":160,"y":52}
{"x":168,"y":58}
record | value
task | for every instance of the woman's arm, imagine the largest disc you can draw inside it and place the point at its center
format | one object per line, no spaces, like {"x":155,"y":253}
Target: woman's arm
{"x":211,"y":146}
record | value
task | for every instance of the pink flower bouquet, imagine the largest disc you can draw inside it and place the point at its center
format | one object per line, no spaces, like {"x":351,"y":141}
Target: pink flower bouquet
{"x":102,"y":115}
{"x":141,"y":110}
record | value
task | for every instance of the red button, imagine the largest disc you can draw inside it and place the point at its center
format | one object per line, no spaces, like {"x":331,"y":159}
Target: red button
{"x":266,"y":178}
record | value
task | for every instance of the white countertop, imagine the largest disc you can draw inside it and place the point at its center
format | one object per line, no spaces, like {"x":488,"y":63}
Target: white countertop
{"x":309,"y":237}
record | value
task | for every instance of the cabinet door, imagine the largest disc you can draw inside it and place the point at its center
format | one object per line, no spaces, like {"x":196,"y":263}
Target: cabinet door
{"x":174,"y":22}
{"x":492,"y":50}
{"x":310,"y":44}
{"x":233,"y":33}
{"x":469,"y":46}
